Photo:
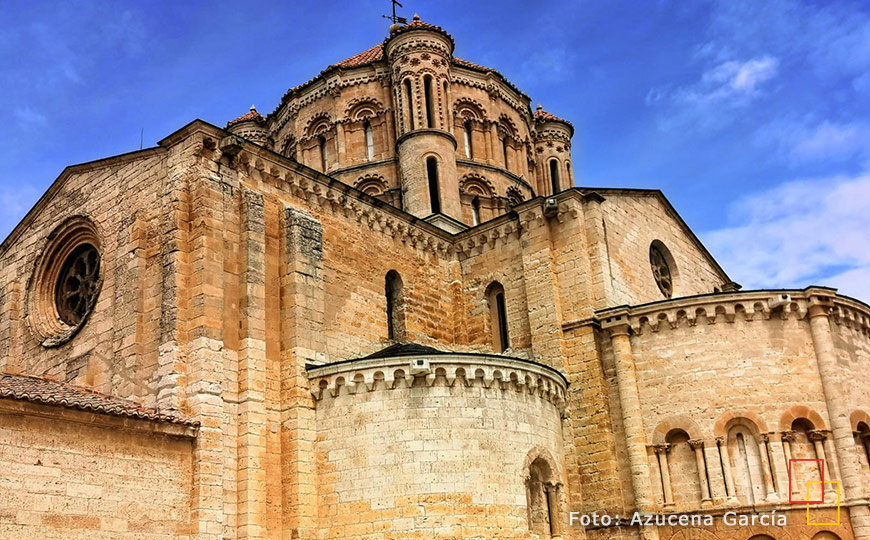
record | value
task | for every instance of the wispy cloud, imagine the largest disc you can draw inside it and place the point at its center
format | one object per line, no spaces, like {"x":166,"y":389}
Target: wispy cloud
{"x":721,"y":88}
{"x":807,"y":140}
{"x":800,"y":233}
{"x":28,"y":118}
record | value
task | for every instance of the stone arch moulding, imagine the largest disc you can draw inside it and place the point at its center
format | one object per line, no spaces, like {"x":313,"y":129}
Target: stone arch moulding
{"x":751,"y":420}
{"x":801,"y":411}
{"x":41,"y":311}
{"x":371,"y":184}
{"x":673,"y":423}
{"x":475,"y":184}
{"x":317,"y":124}
{"x":469,"y":109}
{"x":857,"y":417}
{"x":541,"y":452}
{"x":364,"y":107}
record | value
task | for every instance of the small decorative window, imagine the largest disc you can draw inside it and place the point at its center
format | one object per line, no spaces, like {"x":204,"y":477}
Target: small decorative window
{"x":660,"y":261}
{"x":66,"y":282}
{"x":78,"y":284}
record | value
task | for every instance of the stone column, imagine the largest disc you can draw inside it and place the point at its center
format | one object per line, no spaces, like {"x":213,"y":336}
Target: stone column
{"x":342,"y":145}
{"x":302,"y":342}
{"x":495,"y":146}
{"x":818,"y":438}
{"x":715,"y":474}
{"x":661,"y":451}
{"x":632,"y":417}
{"x":787,"y":439}
{"x":722,"y":443}
{"x":252,"y":371}
{"x":551,"y":491}
{"x":831,"y":453}
{"x":770,"y":492}
{"x":779,"y":464}
{"x":823,"y":343}
{"x":698,"y":446}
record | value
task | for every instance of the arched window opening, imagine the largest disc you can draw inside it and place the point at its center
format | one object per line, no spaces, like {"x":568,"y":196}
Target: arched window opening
{"x":568,"y":169}
{"x":505,"y":151}
{"x":370,"y":140}
{"x":746,"y":465}
{"x":410,"y":101}
{"x":475,"y":211}
{"x":324,"y":154}
{"x":467,"y":132}
{"x":663,"y":267}
{"x":803,"y":447}
{"x":554,"y":176}
{"x":434,"y":192}
{"x":395,"y":311}
{"x":427,"y":94}
{"x":683,"y":464}
{"x":498,"y":317}
{"x":863,"y":439}
{"x":542,"y":498}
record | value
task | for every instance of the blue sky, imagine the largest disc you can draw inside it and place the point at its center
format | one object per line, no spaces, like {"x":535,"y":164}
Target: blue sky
{"x":753,"y":117}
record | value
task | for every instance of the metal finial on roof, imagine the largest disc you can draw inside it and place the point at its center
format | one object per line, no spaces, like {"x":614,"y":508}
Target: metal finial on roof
{"x":416,"y":16}
{"x":539,"y":108}
{"x":253,"y":109}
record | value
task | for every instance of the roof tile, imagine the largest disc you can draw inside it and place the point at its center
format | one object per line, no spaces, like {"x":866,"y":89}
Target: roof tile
{"x":51,"y":392}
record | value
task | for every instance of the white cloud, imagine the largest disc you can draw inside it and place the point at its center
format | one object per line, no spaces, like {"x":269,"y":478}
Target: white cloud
{"x":809,"y":232}
{"x":710,"y":101}
{"x":730,"y":82}
{"x":808,"y":140}
{"x":29,"y":118}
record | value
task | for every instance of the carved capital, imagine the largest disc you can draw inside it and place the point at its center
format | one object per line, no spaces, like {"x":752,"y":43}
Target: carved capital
{"x":720,"y":440}
{"x":817,"y":435}
{"x":765,"y":437}
{"x":788,"y":436}
{"x":696,"y":443}
{"x":662,"y":448}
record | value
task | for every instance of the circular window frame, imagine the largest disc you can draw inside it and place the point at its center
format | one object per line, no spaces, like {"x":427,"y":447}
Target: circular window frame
{"x":658,"y":245}
{"x":42,"y":312}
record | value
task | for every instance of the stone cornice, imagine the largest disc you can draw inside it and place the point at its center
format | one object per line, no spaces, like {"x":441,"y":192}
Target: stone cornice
{"x":747,"y":305}
{"x":452,"y":369}
{"x":68,"y":172}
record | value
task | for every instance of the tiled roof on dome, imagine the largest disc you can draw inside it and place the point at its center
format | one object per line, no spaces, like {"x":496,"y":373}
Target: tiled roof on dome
{"x":404,"y":349}
{"x":543,"y":116}
{"x":368,"y":56}
{"x":50,"y":392}
{"x":251,"y":115}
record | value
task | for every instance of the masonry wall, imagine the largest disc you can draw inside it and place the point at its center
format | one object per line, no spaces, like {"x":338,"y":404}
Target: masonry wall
{"x":632,"y":221}
{"x":66,"y":480}
{"x":429,"y":462}
{"x":116,"y":350}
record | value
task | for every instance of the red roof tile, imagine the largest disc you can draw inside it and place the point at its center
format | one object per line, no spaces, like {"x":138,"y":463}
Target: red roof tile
{"x":251,"y":115}
{"x":368,"y":56}
{"x":49,"y":392}
{"x":543,"y":116}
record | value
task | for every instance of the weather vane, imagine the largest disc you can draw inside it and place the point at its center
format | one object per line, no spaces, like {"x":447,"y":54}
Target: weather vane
{"x":395,"y":18}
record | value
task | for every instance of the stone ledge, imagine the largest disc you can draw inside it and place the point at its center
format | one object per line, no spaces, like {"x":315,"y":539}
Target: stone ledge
{"x":748,"y":305}
{"x":489,"y":371}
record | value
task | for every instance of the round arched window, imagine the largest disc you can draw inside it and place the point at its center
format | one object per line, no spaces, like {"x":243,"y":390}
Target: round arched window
{"x":66,"y":282}
{"x":659,"y":260}
{"x":78,"y":284}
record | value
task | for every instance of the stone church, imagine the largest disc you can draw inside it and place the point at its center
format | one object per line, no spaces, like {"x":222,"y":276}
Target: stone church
{"x":384,"y":311}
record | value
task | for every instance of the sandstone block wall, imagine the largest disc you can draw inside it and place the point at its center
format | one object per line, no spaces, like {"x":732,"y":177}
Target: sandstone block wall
{"x":65,"y":480}
{"x":632,"y":221}
{"x":116,"y":351}
{"x":445,"y":458}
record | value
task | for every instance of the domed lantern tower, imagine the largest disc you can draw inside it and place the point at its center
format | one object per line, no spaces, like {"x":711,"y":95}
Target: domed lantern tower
{"x":419,"y":56}
{"x":554,"y":172}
